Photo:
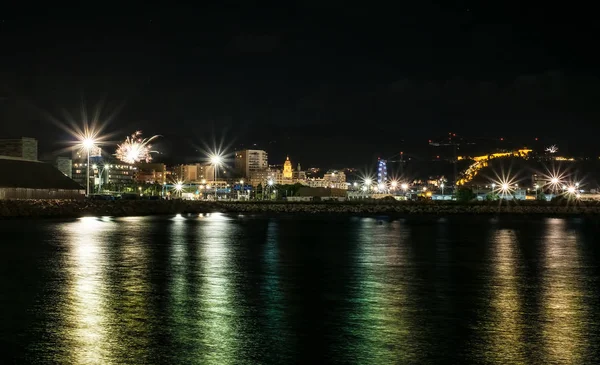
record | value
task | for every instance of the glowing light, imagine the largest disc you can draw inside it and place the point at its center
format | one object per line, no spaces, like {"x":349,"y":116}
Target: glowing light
{"x":270,"y":182}
{"x":404,"y":186}
{"x":381,"y":186}
{"x":88,"y":143}
{"x":364,"y":188}
{"x":216,"y":159}
{"x":178,"y":186}
{"x":504,"y":185}
{"x":368,"y":181}
{"x":394,"y":184}
{"x":552,"y":149}
{"x":135,"y":149}
{"x":571,"y":190}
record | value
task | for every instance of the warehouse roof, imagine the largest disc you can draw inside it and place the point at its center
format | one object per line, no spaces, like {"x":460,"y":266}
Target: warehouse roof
{"x":19,"y":173}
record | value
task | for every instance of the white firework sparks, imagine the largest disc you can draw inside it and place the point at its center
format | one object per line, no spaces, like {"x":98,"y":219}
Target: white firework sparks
{"x":135,"y":149}
{"x":552,"y":149}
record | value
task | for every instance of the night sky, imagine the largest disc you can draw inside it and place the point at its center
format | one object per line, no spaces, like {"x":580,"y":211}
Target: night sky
{"x":327,"y":84}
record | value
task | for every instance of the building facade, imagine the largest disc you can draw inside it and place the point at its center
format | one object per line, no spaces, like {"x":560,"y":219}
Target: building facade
{"x":249,"y":162}
{"x":287,"y":169}
{"x":332,"y":179}
{"x":25,"y":148}
{"x":102,"y":172}
{"x":186,"y":173}
{"x":151,"y":173}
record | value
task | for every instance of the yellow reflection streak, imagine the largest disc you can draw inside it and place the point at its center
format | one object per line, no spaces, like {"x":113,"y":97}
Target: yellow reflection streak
{"x":381,"y":319}
{"x":217,"y":302}
{"x":134,"y":307}
{"x":87,"y":320}
{"x":506,"y":332}
{"x":563,"y":311}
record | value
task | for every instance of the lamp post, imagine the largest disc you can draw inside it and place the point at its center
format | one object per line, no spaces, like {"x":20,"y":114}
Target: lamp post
{"x":442,"y":186}
{"x":270,"y":182}
{"x":94,"y":167}
{"x":87,"y":144}
{"x":216,"y":161}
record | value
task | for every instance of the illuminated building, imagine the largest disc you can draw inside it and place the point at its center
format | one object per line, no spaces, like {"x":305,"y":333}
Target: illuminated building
{"x":250,"y":162}
{"x":299,"y":175}
{"x":332,"y":179}
{"x":105,"y":171}
{"x":287,"y":168}
{"x":382,"y":174}
{"x":151,"y":173}
{"x":187,"y":173}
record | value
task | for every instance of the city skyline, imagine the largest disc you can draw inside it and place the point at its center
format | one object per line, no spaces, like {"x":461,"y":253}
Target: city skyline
{"x":351,"y":83}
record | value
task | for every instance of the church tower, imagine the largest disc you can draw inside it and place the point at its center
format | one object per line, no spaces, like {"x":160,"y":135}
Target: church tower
{"x":287,"y":169}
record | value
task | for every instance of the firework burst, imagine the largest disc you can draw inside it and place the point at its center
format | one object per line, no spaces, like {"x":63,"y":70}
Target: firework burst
{"x":135,"y":149}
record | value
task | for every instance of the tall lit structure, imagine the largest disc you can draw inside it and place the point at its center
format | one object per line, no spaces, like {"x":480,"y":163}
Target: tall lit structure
{"x":248,"y":162}
{"x":287,"y":168}
{"x":382,"y":174}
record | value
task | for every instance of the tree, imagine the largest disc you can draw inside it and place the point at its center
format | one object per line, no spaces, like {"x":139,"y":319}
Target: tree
{"x":491,"y":196}
{"x":259,"y":191}
{"x":540,"y":195}
{"x":464,"y":194}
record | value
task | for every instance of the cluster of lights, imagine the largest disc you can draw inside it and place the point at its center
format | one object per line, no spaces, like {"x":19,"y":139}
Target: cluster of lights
{"x":135,"y":149}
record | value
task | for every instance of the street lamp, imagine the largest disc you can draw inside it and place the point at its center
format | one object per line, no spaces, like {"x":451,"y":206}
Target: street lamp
{"x":442,"y":186}
{"x":87,"y":144}
{"x":270,"y":183}
{"x":216,"y":161}
{"x":179,"y":187}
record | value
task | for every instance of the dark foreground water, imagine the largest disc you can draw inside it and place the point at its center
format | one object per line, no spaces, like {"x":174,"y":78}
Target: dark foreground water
{"x":259,"y":290}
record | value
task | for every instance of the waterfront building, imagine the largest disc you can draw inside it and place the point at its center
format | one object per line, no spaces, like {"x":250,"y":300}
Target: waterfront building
{"x":28,"y":179}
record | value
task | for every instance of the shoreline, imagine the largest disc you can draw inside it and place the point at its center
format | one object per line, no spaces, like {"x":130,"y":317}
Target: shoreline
{"x":80,"y":208}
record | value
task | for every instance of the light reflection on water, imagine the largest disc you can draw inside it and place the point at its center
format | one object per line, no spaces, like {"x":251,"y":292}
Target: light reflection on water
{"x":87,"y":327}
{"x":563,"y":330}
{"x":380,"y":310}
{"x":505,"y":333}
{"x":214,"y":289}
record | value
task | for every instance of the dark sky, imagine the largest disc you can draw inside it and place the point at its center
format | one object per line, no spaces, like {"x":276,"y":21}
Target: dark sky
{"x":328,"y":84}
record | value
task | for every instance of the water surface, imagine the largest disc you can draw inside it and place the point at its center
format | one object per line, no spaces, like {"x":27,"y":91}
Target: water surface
{"x":221,"y":289}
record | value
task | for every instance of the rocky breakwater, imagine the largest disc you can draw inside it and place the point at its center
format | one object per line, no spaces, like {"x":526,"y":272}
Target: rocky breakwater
{"x":74,"y":208}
